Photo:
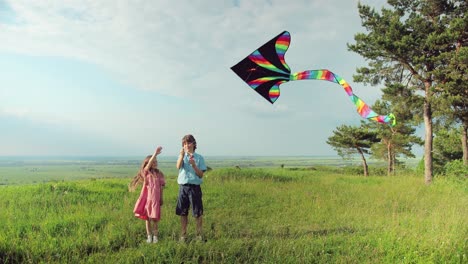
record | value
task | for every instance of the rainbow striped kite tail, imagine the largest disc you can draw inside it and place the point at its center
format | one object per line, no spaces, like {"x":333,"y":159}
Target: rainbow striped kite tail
{"x":383,"y":119}
{"x":392,"y":118}
{"x":389,"y":119}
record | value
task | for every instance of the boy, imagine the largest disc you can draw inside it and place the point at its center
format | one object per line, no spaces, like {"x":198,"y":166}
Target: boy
{"x":191,"y":167}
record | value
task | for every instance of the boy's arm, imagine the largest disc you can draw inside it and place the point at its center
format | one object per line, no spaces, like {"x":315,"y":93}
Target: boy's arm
{"x":199,"y":171}
{"x":180,"y":160}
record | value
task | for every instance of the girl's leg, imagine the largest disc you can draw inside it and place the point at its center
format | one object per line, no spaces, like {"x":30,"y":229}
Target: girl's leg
{"x":148,"y":231}
{"x":155,"y":231}
{"x":148,"y":227}
{"x":155,"y":227}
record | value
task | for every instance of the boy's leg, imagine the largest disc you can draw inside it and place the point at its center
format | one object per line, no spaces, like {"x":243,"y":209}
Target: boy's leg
{"x":183,"y":203}
{"x":197,"y":206}
{"x":183,"y":224}
{"x":199,"y":225}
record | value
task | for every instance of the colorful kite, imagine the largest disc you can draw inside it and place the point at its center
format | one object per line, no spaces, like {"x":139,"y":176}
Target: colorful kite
{"x":265,"y":70}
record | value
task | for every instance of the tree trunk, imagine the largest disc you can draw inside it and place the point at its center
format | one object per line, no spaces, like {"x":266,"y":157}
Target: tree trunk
{"x":465,"y":144}
{"x":428,"y":171}
{"x":364,"y":163}
{"x":389,"y":157}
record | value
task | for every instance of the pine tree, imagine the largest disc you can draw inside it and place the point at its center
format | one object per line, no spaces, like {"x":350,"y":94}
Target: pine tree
{"x":410,"y":41}
{"x":349,"y":140}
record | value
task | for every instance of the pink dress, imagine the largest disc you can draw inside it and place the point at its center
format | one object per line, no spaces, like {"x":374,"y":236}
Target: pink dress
{"x":148,"y":204}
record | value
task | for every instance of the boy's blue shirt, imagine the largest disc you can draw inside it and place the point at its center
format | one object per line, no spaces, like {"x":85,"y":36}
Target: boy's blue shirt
{"x":187,"y":174}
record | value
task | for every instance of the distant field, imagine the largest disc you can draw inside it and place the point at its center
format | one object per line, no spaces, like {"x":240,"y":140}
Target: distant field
{"x":252,"y":215}
{"x":33,"y":170}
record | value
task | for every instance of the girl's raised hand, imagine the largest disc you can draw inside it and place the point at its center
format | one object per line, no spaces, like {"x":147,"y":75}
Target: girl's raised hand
{"x":158,"y":150}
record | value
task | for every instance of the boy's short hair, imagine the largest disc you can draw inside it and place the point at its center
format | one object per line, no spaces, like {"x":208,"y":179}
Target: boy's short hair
{"x":189,"y":139}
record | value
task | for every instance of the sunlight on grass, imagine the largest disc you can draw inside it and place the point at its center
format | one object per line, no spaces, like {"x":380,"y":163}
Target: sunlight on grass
{"x":251,"y":215}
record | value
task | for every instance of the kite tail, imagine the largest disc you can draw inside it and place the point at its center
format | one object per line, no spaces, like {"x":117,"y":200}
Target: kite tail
{"x":362,"y":108}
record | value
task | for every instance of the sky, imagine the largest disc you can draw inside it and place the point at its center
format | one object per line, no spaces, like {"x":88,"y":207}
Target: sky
{"x":118,"y":78}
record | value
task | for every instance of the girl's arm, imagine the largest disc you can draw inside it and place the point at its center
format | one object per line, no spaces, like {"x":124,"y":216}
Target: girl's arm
{"x":162,"y":181}
{"x":150,"y":162}
{"x":180,"y":160}
{"x":161,"y":201}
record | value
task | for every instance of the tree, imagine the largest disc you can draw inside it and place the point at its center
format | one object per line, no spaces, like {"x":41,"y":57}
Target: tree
{"x":455,"y":88}
{"x":410,"y":41}
{"x":394,"y":141}
{"x":447,"y":148}
{"x":349,"y":140}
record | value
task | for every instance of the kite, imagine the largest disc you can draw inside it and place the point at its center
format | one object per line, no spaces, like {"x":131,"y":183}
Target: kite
{"x":265,"y":70}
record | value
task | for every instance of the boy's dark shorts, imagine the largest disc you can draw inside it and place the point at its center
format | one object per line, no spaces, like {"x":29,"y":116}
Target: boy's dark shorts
{"x":189,"y":194}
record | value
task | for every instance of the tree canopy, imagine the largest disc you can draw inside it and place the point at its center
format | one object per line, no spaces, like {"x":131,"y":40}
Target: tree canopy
{"x":418,"y":47}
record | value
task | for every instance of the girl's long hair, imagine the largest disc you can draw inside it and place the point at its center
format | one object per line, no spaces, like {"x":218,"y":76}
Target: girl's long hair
{"x":139,"y":177}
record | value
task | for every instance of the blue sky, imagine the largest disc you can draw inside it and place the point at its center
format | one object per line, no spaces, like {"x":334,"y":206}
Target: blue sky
{"x":118,"y":78}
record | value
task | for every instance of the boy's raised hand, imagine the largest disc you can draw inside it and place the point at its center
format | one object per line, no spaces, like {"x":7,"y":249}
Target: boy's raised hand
{"x":192,"y":160}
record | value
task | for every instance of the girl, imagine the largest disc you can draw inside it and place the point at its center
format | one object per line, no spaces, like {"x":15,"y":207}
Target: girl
{"x":148,"y":205}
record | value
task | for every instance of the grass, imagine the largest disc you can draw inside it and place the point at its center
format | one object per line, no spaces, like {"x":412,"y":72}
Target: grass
{"x":252,"y":215}
{"x":34,"y":170}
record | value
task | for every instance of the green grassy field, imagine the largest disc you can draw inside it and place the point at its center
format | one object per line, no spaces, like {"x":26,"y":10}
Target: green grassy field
{"x":33,"y":170}
{"x":252,"y":215}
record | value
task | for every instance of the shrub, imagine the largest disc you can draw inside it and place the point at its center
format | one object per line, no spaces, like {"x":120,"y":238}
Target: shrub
{"x":237,"y":173}
{"x":456,"y":168}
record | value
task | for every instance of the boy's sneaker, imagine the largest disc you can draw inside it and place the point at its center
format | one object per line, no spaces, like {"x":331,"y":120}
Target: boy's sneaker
{"x":155,"y":239}
{"x":149,"y":240}
{"x":200,"y":238}
{"x":182,"y":239}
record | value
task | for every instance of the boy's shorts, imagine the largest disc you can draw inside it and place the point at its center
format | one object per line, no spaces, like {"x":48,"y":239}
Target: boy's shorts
{"x":189,"y":194}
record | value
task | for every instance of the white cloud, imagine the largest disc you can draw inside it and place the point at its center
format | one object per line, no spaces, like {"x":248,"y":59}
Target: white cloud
{"x":185,"y":49}
{"x":164,"y":45}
